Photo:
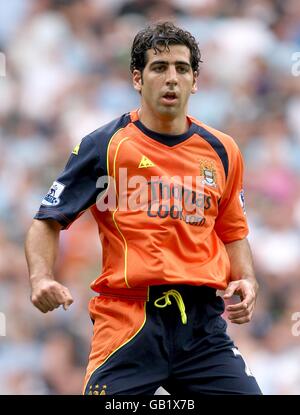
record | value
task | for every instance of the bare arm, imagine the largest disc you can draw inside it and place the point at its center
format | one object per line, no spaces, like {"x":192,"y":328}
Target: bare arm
{"x":41,"y":248}
{"x":243,"y":281}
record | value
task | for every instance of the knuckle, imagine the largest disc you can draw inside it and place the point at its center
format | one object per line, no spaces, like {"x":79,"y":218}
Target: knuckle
{"x":43,"y":291}
{"x":52,"y":286}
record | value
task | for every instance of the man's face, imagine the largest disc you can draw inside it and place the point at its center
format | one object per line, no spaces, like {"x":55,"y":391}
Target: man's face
{"x":166,"y":82}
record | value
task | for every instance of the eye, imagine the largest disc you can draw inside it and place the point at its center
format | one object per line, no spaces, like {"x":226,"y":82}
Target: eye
{"x":182,"y":69}
{"x":159,"y":68}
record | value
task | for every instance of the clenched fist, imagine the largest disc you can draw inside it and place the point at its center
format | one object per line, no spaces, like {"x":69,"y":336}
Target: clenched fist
{"x":47,"y":294}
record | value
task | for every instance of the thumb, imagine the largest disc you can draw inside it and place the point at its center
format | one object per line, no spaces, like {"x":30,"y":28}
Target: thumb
{"x":230,"y":290}
{"x":67,"y":303}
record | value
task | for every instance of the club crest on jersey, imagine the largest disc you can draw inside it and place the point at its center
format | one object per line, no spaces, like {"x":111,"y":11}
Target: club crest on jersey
{"x":208,"y":171}
{"x":52,"y":197}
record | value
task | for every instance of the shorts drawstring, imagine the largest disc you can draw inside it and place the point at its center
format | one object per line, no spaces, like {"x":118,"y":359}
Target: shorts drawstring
{"x":167,"y":302}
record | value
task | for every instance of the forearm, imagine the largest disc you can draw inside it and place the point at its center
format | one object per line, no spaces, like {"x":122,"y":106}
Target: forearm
{"x":241,"y":261}
{"x":243,"y":282}
{"x":41,"y":248}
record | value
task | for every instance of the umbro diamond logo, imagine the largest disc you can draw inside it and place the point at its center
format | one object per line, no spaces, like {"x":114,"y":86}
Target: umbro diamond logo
{"x":145,"y":162}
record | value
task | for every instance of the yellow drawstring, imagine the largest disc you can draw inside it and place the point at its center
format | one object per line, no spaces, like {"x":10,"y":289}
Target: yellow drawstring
{"x":167,"y":302}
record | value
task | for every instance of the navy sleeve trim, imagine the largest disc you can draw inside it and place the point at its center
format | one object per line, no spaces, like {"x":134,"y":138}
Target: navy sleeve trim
{"x":46,"y":213}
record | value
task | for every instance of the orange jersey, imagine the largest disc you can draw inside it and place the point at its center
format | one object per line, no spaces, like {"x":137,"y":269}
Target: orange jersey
{"x":177,"y":234}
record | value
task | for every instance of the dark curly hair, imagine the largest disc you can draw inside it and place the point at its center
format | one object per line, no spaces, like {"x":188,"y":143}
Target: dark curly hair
{"x":159,"y":37}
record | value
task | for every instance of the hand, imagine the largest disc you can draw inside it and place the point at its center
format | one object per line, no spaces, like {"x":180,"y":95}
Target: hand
{"x":241,"y":312}
{"x":48,"y":294}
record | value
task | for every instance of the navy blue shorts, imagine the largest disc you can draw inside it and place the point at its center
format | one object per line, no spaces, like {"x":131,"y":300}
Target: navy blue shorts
{"x":197,"y":357}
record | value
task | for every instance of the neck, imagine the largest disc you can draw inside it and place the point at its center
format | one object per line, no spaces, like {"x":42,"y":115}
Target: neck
{"x":164,"y":125}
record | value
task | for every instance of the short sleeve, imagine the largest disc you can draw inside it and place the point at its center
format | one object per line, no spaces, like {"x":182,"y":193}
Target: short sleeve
{"x":74,"y":190}
{"x":231,"y":223}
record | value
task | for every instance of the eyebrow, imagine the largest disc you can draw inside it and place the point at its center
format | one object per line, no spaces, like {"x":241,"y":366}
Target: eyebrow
{"x":159,"y":62}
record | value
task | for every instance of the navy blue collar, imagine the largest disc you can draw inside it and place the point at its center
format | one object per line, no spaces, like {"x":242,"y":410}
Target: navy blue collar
{"x":167,"y":139}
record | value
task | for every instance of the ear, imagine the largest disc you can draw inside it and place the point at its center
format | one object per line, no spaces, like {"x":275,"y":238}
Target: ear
{"x":195,"y":86}
{"x":137,"y":80}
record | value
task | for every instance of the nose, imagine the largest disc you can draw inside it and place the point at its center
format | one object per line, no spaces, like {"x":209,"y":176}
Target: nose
{"x":171,"y":77}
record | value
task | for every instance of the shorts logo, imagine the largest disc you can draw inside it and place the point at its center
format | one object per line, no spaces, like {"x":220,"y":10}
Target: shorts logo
{"x":96,"y":390}
{"x":52,"y":197}
{"x":242,"y":200}
{"x":208,"y":172}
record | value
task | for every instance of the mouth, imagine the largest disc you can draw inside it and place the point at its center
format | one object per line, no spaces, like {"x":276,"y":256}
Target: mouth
{"x":170,"y":97}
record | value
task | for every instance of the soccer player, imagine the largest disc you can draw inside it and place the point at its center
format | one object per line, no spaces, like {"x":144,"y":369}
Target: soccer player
{"x":168,"y":244}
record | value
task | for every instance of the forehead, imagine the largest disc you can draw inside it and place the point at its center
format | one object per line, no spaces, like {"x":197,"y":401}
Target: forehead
{"x":175,"y":53}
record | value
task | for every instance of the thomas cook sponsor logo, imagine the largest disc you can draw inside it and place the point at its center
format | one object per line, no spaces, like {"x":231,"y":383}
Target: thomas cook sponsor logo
{"x":177,"y":202}
{"x":52,"y":197}
{"x":161,"y":197}
{"x":208,"y":172}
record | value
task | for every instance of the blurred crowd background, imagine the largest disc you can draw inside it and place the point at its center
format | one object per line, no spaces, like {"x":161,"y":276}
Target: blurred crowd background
{"x":67,"y":73}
